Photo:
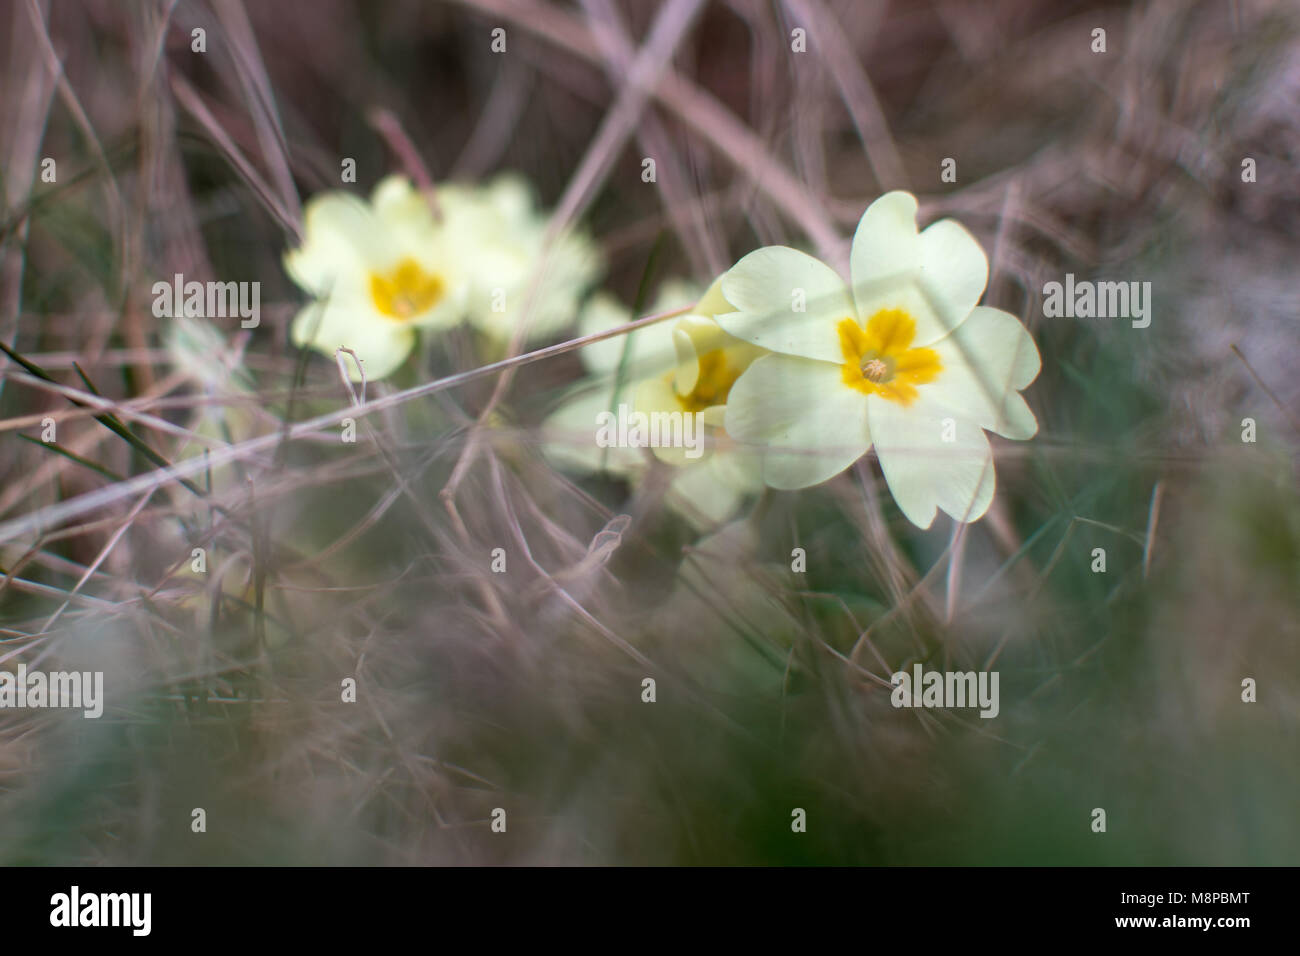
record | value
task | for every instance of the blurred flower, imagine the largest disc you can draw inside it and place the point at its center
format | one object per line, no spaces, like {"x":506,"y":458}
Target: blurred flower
{"x":378,"y":272}
{"x":227,"y":403}
{"x":199,"y":350}
{"x":686,"y":367}
{"x":500,"y":241}
{"x":904,"y":359}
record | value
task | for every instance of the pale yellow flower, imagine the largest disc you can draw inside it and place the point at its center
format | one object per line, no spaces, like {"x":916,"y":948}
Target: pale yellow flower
{"x":379,"y":271}
{"x":683,"y":367}
{"x":903,"y":359}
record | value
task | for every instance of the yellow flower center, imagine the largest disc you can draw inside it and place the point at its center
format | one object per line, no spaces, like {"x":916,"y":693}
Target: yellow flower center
{"x":717,"y":375}
{"x":878,"y":361}
{"x":406,"y":291}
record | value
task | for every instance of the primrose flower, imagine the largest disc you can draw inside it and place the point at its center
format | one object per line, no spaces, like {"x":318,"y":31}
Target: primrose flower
{"x":903,"y":359}
{"x":683,"y":369}
{"x":378,"y":272}
{"x":500,"y":238}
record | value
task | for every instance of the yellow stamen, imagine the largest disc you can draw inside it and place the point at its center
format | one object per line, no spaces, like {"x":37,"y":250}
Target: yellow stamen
{"x":877,"y":360}
{"x":406,"y":291}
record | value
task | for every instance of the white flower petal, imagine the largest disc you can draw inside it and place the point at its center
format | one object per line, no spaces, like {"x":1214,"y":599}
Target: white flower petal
{"x":710,"y":304}
{"x":886,"y":242}
{"x":986,"y":360}
{"x":811,"y":426}
{"x":656,"y":395}
{"x":715,"y":416}
{"x":338,"y":321}
{"x":702,"y":496}
{"x":342,"y":242}
{"x":740,"y":466}
{"x":707,"y":335}
{"x":569,"y":437}
{"x":687,"y":373}
{"x":924,"y":471}
{"x":397,"y":203}
{"x":500,"y":243}
{"x":936,"y":276}
{"x":572,"y":267}
{"x":447,"y":311}
{"x":510,"y":197}
{"x":766,"y":287}
{"x":649,"y":349}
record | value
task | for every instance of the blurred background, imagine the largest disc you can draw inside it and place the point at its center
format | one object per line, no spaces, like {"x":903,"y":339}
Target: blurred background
{"x":522,"y":690}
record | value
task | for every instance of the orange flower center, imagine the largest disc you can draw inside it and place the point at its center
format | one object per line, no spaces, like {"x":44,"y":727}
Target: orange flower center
{"x":879,"y":360}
